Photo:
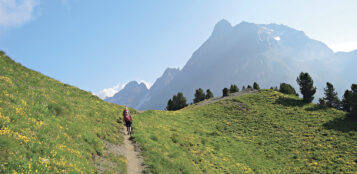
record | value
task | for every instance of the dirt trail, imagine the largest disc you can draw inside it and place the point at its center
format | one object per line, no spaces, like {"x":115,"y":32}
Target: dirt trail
{"x":131,"y":152}
{"x":129,"y":149}
{"x":205,"y":102}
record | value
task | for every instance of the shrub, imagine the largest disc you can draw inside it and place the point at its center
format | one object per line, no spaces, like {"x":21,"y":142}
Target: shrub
{"x":307,"y":88}
{"x":199,"y":95}
{"x":249,"y":87}
{"x":225,"y":92}
{"x":287,"y":89}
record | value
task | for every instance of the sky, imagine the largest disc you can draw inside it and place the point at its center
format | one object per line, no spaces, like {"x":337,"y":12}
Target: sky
{"x":99,"y":46}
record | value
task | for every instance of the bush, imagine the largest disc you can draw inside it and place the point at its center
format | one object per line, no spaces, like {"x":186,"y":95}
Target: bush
{"x":177,"y":102}
{"x":233,"y":89}
{"x":199,"y":95}
{"x":249,"y":87}
{"x":209,"y":94}
{"x":307,"y":88}
{"x":287,"y":89}
{"x":256,"y":86}
{"x":225,"y":92}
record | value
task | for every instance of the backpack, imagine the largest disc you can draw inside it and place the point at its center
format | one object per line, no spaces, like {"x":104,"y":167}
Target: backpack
{"x":127,"y":117}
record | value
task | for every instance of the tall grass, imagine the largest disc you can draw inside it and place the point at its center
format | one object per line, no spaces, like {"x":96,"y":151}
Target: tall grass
{"x":50,"y":127}
{"x":267,"y":132}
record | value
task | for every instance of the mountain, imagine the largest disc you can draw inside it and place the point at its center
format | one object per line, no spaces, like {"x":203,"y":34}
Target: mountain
{"x":268,"y":54}
{"x":50,"y":127}
{"x":130,"y":95}
{"x":264,"y":132}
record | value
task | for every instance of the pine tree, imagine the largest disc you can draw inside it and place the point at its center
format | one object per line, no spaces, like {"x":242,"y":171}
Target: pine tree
{"x":286,"y":89}
{"x":307,"y":88}
{"x":249,"y":87}
{"x":353,"y":100}
{"x":233,"y":89}
{"x":331,"y":99}
{"x":346,"y":101}
{"x":169,"y":106}
{"x":225,"y":92}
{"x":199,"y":95}
{"x":209,"y":94}
{"x":256,"y":86}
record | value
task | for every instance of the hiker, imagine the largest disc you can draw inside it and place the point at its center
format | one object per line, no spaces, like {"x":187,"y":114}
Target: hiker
{"x":127,"y":120}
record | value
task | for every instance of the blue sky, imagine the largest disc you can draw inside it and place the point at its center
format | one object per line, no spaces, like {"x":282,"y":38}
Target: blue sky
{"x":98,"y":45}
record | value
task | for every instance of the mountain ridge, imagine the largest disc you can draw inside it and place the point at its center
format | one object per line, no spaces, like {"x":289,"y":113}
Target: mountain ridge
{"x":242,"y":54}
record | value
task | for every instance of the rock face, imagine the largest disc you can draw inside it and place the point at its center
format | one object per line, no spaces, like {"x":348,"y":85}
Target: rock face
{"x":130,"y":95}
{"x":268,"y":54}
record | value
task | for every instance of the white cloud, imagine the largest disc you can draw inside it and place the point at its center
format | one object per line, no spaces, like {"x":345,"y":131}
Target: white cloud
{"x":147,"y":84}
{"x":110,"y":92}
{"x":344,"y":46}
{"x":277,"y":38}
{"x":16,"y":12}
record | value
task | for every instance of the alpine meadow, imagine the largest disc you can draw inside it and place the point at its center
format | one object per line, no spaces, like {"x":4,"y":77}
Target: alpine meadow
{"x":178,"y":87}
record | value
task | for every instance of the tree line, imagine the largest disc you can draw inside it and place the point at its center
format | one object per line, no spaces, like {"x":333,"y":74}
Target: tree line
{"x":306,"y":86}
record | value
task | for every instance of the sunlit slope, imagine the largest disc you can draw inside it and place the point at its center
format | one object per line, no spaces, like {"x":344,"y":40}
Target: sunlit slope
{"x":50,"y":127}
{"x":254,"y":133}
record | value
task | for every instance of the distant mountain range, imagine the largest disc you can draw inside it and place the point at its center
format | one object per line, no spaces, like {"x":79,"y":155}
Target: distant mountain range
{"x":268,"y":54}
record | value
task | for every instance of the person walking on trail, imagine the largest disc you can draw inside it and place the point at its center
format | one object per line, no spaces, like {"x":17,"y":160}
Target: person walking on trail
{"x":128,"y":120}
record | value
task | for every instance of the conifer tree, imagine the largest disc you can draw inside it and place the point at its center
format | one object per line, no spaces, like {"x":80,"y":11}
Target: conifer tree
{"x":331,"y":99}
{"x":307,"y":88}
{"x":209,"y":94}
{"x":256,"y":86}
{"x":199,"y":95}
{"x":225,"y":92}
{"x":177,"y":102}
{"x":346,"y":101}
{"x":233,"y":88}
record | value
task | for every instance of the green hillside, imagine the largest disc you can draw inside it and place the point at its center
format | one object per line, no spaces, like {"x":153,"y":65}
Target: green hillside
{"x":265,"y":132}
{"x":50,"y":127}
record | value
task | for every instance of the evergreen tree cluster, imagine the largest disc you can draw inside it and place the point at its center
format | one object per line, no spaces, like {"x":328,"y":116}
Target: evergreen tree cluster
{"x":233,"y":89}
{"x":307,"y":89}
{"x":200,"y":95}
{"x":177,"y":102}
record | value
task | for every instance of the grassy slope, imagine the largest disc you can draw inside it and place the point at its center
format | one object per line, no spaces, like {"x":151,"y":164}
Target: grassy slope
{"x":47,"y":126}
{"x":255,"y":133}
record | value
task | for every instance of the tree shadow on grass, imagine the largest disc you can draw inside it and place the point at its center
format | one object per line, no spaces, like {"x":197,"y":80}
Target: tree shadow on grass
{"x":289,"y":102}
{"x":316,"y":108}
{"x":346,"y":124}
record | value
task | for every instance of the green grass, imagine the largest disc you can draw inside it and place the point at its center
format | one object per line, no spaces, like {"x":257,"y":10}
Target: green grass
{"x":266,"y":132}
{"x":50,"y":127}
